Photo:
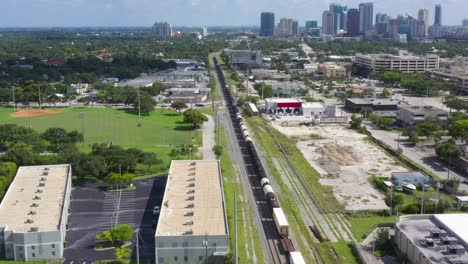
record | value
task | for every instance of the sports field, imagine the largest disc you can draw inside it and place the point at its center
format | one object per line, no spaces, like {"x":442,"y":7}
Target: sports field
{"x":159,"y":131}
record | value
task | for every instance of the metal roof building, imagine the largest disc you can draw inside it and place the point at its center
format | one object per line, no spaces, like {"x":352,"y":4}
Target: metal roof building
{"x":192,"y":225}
{"x":34,"y":213}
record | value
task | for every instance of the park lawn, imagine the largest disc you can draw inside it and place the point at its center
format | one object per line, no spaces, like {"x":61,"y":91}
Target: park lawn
{"x":159,"y":131}
{"x":361,"y":225}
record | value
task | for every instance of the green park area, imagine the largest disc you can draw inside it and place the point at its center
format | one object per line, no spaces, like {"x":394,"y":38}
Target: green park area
{"x":158,"y":132}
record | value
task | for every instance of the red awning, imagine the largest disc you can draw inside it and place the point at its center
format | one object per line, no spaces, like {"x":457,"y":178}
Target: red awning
{"x":289,"y":105}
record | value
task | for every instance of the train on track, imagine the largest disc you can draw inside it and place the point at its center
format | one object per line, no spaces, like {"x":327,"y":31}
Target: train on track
{"x":279,"y":217}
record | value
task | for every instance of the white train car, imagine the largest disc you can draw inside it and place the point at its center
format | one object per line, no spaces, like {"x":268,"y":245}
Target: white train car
{"x":296,"y":258}
{"x":281,"y":222}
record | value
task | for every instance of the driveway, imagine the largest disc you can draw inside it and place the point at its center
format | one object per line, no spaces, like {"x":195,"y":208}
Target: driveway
{"x":208,"y":139}
{"x":423,"y":156}
{"x":94,"y":210}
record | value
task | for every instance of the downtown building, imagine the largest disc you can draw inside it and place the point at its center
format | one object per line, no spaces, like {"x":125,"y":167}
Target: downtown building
{"x":381,"y":23}
{"x":436,"y":29}
{"x":327,"y":23}
{"x":288,"y":27}
{"x":366,"y":17}
{"x":403,"y":62}
{"x":339,"y":17}
{"x":267,"y":24}
{"x":34,"y":213}
{"x":352,"y":26}
{"x":162,"y":30}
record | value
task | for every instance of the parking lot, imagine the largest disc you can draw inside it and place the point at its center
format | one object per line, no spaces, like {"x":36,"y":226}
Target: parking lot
{"x":94,"y":210}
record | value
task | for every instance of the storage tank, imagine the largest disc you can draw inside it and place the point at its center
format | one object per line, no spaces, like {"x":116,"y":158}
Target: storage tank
{"x":268,"y":189}
{"x":248,"y":139}
{"x":281,"y":222}
{"x":243,"y":127}
{"x":264,"y":181}
{"x":245,"y":134}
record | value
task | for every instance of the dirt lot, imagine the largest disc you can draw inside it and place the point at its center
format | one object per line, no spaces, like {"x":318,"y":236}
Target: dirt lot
{"x":36,"y":112}
{"x":345,"y":161}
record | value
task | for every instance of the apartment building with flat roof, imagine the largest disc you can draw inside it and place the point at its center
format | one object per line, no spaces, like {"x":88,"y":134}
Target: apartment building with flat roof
{"x":34,"y":213}
{"x":192,"y":225}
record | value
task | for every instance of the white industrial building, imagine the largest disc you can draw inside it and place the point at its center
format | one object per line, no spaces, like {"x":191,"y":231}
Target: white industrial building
{"x":294,"y":106}
{"x":192,"y":225}
{"x":244,"y":57}
{"x":403,"y":62}
{"x":34,"y":213}
{"x":431,"y":239}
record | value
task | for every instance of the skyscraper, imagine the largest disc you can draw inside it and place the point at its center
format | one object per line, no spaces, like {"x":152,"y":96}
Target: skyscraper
{"x":465,"y":22}
{"x":339,"y":19}
{"x":327,"y":23}
{"x":366,"y":14}
{"x":311,"y":24}
{"x":287,"y":27}
{"x":352,"y":26}
{"x":162,"y":30}
{"x":267,"y":24}
{"x":381,"y":23}
{"x":438,"y":15}
{"x":423,"y":15}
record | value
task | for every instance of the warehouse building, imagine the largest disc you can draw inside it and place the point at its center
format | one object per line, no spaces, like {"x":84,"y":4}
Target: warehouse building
{"x":355,"y":105}
{"x":244,"y":58}
{"x":408,"y":115}
{"x":403,"y":62}
{"x":440,"y":238}
{"x":192,"y":225}
{"x":34,"y":213}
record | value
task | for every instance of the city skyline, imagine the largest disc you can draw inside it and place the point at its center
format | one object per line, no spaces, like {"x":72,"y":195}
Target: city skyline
{"x":69,"y":13}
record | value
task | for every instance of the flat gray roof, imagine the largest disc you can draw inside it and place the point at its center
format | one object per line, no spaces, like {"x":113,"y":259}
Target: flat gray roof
{"x":422,"y":108}
{"x":374,"y":101}
{"x":417,"y":228}
{"x":43,"y":186}
{"x":193,"y":202}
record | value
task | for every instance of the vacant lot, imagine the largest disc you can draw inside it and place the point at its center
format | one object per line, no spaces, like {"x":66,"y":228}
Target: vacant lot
{"x":345,"y":161}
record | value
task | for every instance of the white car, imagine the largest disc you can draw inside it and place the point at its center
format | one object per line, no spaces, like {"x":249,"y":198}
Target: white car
{"x":156,"y":210}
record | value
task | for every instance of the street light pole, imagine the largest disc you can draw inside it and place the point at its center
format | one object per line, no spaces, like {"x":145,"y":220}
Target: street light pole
{"x":82,"y":116}
{"x":139,"y":106}
{"x":14,"y":101}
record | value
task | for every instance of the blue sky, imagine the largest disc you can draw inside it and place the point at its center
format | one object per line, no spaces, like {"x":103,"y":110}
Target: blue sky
{"x":23,"y":13}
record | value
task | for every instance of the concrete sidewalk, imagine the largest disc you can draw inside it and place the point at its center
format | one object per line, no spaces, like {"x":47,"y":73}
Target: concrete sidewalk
{"x":208,"y":139}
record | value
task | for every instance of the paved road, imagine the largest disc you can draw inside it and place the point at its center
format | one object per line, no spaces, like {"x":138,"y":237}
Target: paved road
{"x":423,"y":156}
{"x":208,"y":139}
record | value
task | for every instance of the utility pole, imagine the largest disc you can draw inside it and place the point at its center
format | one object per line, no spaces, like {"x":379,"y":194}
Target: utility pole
{"x":205,"y":243}
{"x":235,"y":229}
{"x":422,"y":199}
{"x":29,"y":110}
{"x":14,"y":101}
{"x":40,"y":100}
{"x":82,"y":116}
{"x":137,"y":248}
{"x":139,"y":106}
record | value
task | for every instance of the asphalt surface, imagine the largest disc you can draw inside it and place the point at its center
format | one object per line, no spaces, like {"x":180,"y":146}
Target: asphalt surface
{"x":425,"y":158}
{"x":94,"y":210}
{"x":208,"y":139}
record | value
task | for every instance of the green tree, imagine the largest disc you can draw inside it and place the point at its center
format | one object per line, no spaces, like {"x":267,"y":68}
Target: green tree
{"x":122,"y":253}
{"x":447,"y":150}
{"x":427,"y":129}
{"x":179,"y":106}
{"x":21,"y":154}
{"x":150,"y":159}
{"x":356,"y":122}
{"x":194,"y":117}
{"x":122,"y":233}
{"x":391,"y":78}
{"x":218,"y":150}
{"x":394,"y":201}
{"x":59,"y":136}
{"x":386,"y":93}
{"x":146,"y":103}
{"x":459,"y":130}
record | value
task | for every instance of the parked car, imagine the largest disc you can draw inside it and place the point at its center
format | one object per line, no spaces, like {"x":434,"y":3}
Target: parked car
{"x":156,"y":210}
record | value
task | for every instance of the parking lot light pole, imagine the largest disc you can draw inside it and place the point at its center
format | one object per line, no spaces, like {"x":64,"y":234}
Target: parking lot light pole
{"x":82,"y":116}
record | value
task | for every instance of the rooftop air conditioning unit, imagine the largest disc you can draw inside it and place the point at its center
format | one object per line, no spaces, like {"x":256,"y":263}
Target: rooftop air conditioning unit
{"x":190,"y":205}
{"x":39,"y":191}
{"x":36,"y":197}
{"x":190,"y":191}
{"x":189,"y":213}
{"x":41,"y":184}
{"x":190,"y":198}
{"x":188,"y":232}
{"x":34,"y":229}
{"x":32,"y":212}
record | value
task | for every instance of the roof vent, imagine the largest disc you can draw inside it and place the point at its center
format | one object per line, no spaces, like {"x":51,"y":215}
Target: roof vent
{"x":189,"y":213}
{"x":46,"y":168}
{"x":192,"y":169}
{"x":45,"y":173}
{"x":190,"y":191}
{"x":166,"y":204}
{"x":192,"y":184}
{"x":429,"y":242}
{"x":34,"y":229}
{"x":41,"y":184}
{"x":191,"y":174}
{"x":191,"y":179}
{"x":35,"y":205}
{"x":43,"y":179}
{"x":32,"y":212}
{"x":29,"y":221}
{"x":189,"y":222}
{"x":193,"y":163}
{"x":36,"y":197}
{"x":188,"y":232}
{"x":190,"y":205}
{"x":190,"y":198}
{"x":39,"y":191}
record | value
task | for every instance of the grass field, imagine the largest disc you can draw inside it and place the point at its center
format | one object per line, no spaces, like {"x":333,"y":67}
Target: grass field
{"x":159,"y":131}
